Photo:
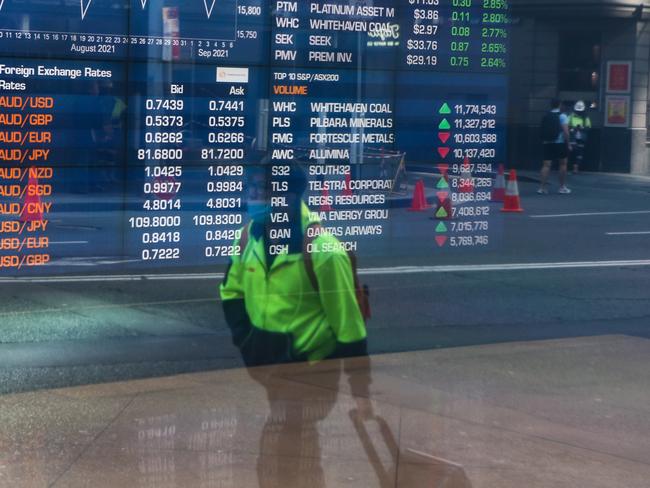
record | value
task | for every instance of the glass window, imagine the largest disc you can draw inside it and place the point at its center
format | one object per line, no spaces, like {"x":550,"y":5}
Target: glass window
{"x":579,"y":61}
{"x":324,"y":243}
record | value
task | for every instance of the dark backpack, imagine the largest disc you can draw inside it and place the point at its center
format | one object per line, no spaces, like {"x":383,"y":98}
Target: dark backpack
{"x":362,"y":291}
{"x":551,"y":127}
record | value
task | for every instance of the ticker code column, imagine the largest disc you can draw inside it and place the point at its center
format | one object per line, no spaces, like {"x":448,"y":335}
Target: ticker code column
{"x":25,"y":179}
{"x":333,"y":111}
{"x":61,"y":131}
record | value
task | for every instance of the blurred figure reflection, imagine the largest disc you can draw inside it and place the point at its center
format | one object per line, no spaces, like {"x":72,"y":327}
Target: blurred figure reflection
{"x":292,"y":300}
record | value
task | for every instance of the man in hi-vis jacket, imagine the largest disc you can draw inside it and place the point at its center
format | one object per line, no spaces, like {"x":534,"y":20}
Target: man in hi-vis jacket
{"x":288,"y":312}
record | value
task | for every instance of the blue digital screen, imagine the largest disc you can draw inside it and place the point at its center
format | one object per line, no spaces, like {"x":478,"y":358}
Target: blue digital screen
{"x":128,"y":128}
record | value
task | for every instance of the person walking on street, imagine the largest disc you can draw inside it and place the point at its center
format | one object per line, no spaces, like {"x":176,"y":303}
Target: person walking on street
{"x":556,"y":146}
{"x":579,"y":126}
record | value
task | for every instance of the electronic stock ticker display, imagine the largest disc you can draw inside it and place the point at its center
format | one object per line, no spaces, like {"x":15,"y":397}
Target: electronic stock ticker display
{"x":126,"y":126}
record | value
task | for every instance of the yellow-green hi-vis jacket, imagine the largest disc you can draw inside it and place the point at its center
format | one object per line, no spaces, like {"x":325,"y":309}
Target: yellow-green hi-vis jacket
{"x":281,"y":302}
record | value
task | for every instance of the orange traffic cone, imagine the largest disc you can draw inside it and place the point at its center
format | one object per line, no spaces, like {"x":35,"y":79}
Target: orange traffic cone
{"x":325,"y":201}
{"x":347,"y":189}
{"x":419,"y":202}
{"x":466,"y":183}
{"x":511,"y":202}
{"x":32,"y":208}
{"x":499,"y":189}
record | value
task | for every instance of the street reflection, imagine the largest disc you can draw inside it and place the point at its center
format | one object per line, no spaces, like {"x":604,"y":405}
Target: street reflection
{"x":315,"y":430}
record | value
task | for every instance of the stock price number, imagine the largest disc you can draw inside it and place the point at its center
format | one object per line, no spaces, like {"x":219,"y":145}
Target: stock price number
{"x":156,"y":104}
{"x":471,"y":226}
{"x":425,"y":29}
{"x":219,"y":251}
{"x":227,"y":121}
{"x":161,"y":237}
{"x":226,"y":137}
{"x":425,"y":14}
{"x":421,"y":60}
{"x":473,"y":138}
{"x":226,"y":105}
{"x":224,"y":203}
{"x":480,"y":124}
{"x":163,"y":137}
{"x":158,"y":171}
{"x":468,"y":241}
{"x":224,"y":186}
{"x":155,"y":221}
{"x":161,"y":254}
{"x":162,"y":205}
{"x":475,"y":109}
{"x":222,"y":235}
{"x":164,"y":121}
{"x":162,"y":187}
{"x":421,"y":45}
{"x":226,"y":170}
{"x":473,"y":168}
{"x":160,"y":154}
{"x":218,"y":219}
{"x":480,"y":196}
{"x":473,"y":153}
{"x":221,"y":153}
{"x":465,"y":183}
{"x":482,"y":211}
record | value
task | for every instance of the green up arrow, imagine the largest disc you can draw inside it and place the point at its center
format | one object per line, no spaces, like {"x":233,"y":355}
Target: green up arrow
{"x":441,"y":227}
{"x":442,"y":213}
{"x":445,"y":109}
{"x":444,"y":125}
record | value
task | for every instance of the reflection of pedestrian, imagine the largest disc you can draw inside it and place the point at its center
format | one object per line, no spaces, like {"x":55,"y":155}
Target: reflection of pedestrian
{"x":289,"y":449}
{"x":270,"y":298}
{"x":579,"y":126}
{"x":556,"y":146}
{"x":278,"y":314}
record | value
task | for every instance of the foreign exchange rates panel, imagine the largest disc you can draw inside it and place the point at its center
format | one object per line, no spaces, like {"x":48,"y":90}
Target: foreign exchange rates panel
{"x":62,"y":126}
